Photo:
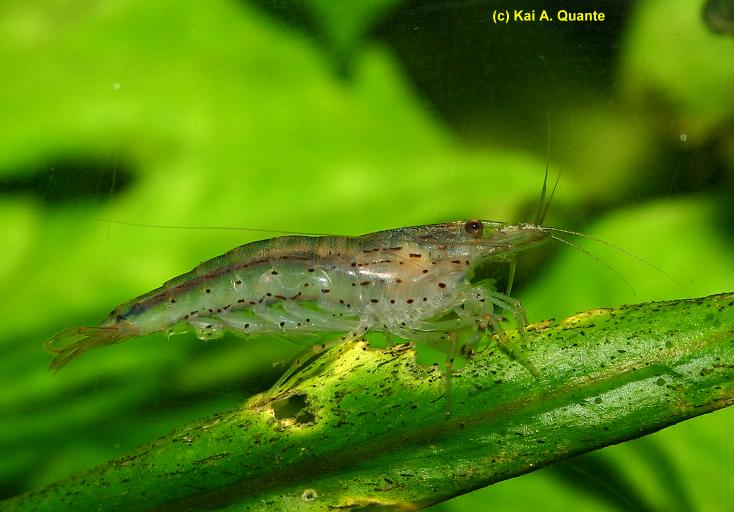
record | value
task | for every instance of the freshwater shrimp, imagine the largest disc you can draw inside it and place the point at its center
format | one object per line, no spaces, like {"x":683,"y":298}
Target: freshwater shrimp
{"x":415,"y":283}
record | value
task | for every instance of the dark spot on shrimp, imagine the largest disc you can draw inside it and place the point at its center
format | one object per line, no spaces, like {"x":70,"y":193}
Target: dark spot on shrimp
{"x":208,"y":290}
{"x":415,"y":255}
{"x":282,"y":324}
{"x":398,"y":280}
{"x":312,"y":270}
{"x":474,"y":228}
{"x":442,"y":285}
{"x":425,"y":270}
{"x":409,"y":301}
{"x":392,"y":301}
{"x":208,"y":326}
{"x":457,"y":262}
{"x":296,"y":296}
{"x":274,"y":272}
{"x":374,"y":301}
{"x":247,"y":326}
{"x":268,"y":294}
{"x":281,"y":297}
{"x":325,"y":290}
{"x":241,"y":301}
{"x":364,"y":283}
{"x":354,"y":263}
{"x":186,"y":317}
{"x":425,"y":299}
{"x":238,"y":282}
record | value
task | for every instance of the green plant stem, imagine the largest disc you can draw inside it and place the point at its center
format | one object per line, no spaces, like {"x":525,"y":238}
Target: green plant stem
{"x":362,"y":426}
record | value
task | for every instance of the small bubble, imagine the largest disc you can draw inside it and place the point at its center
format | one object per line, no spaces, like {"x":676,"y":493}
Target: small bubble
{"x":683,"y":137}
{"x":116,"y":86}
{"x":116,"y":446}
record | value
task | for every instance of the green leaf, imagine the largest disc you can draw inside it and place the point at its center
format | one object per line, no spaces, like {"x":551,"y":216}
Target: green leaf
{"x":363,"y":427}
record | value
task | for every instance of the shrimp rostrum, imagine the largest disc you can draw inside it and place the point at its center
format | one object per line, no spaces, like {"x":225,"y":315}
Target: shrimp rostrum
{"x":414,"y":283}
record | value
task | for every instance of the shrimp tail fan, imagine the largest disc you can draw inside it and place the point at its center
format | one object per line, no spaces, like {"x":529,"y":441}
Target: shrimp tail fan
{"x":71,"y":343}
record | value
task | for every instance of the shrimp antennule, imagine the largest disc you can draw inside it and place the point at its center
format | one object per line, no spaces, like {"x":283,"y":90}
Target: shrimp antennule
{"x":543,"y":205}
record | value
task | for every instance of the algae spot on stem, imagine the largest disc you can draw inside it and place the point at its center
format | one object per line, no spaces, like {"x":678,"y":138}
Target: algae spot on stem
{"x":309,"y":495}
{"x":586,"y":315}
{"x":292,"y":410}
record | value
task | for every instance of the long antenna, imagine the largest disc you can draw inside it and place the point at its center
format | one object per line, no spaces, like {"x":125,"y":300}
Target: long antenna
{"x":621,"y":250}
{"x":220,"y":228}
{"x":598,"y":260}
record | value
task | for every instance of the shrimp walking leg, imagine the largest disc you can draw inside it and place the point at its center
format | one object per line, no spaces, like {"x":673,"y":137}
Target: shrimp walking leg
{"x":516,"y":309}
{"x":476,"y":316}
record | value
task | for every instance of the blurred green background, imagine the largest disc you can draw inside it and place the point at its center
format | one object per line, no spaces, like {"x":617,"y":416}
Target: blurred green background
{"x":347,"y":117}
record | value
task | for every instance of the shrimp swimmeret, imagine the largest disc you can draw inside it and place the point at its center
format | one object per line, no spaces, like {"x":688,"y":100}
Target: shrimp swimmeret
{"x":416,"y":283}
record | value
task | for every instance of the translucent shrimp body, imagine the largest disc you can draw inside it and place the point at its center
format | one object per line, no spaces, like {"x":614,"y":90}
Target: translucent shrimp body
{"x":414,"y":283}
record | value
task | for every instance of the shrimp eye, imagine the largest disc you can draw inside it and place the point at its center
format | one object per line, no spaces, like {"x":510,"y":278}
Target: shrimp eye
{"x":474,"y":228}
